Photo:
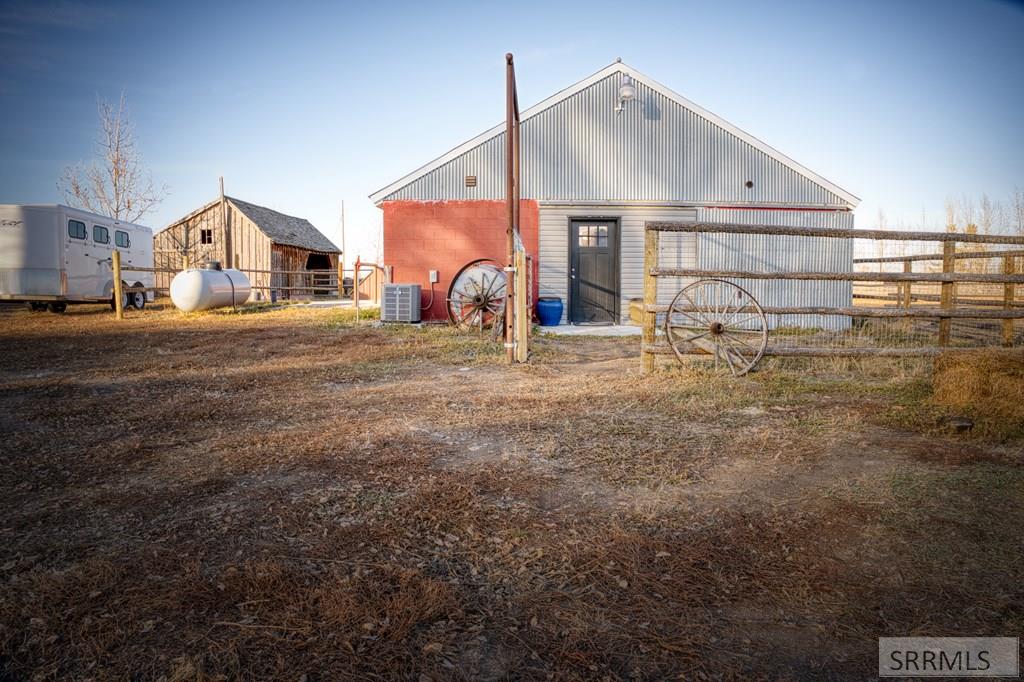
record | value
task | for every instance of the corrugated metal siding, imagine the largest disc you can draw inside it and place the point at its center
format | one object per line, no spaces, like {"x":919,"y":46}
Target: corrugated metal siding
{"x":656,"y":150}
{"x":778,"y":254}
{"x":710,"y":251}
{"x":677,"y":250}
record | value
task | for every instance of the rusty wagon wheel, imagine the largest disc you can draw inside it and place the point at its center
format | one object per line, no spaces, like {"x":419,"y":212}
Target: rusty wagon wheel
{"x":476,"y":297}
{"x":719,"y":318}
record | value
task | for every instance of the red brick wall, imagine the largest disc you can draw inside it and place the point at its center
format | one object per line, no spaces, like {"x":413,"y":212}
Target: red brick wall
{"x":420,"y":236}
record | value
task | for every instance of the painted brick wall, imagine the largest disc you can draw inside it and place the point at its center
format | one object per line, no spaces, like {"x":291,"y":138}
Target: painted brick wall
{"x":420,"y":236}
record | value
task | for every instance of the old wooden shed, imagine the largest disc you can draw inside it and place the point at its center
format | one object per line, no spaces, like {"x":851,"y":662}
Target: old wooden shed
{"x":263,"y":243}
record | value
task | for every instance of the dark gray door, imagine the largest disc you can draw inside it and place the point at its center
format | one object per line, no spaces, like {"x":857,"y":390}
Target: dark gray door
{"x":594,"y":271}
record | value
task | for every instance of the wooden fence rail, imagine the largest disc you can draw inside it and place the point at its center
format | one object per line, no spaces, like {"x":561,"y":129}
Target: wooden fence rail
{"x":371,"y":278}
{"x":938,"y":256}
{"x":947,"y":279}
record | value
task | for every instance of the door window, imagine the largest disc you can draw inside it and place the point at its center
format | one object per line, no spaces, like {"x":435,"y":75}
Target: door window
{"x":121,"y":239}
{"x":100,"y":234}
{"x":76,"y":229}
{"x":593,"y":235}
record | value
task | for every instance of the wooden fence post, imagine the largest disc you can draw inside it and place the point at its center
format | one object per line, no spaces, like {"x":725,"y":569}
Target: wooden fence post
{"x":946,"y":294}
{"x":906,"y":287}
{"x":522,"y":327}
{"x":1008,"y":296}
{"x":341,"y":277}
{"x":355,"y":287}
{"x":650,"y":300}
{"x":115,"y":260}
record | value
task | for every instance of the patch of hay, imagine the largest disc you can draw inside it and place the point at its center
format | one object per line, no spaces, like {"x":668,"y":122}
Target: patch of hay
{"x":987,"y":386}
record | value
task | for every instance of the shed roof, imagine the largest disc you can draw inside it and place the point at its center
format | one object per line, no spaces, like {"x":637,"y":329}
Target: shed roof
{"x":280,"y":228}
{"x":285,"y":229}
{"x":428,"y":179}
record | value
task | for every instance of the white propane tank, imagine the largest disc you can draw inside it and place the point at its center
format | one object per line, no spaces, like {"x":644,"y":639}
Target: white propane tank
{"x":210,"y":287}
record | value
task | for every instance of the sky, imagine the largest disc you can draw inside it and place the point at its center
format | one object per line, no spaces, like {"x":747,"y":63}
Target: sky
{"x":301,"y":106}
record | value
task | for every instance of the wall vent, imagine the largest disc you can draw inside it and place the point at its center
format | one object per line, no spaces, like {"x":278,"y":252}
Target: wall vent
{"x":401,"y":303}
{"x":470,"y":181}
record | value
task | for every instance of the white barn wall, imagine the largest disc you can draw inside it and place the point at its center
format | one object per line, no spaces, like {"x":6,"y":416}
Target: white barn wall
{"x":656,"y":150}
{"x":661,"y":158}
{"x":780,"y":254}
{"x":676,"y":250}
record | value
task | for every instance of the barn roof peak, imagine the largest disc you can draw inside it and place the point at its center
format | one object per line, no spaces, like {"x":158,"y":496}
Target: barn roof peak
{"x":281,"y":228}
{"x":618,"y":66}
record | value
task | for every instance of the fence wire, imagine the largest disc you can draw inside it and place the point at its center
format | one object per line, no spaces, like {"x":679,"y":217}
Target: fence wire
{"x":679,"y":250}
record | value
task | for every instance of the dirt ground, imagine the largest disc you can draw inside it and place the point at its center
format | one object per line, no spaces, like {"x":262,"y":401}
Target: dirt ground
{"x":286,"y":494}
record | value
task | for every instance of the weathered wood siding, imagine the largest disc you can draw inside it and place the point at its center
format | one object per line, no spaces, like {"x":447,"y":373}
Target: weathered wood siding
{"x":250,"y":246}
{"x":254,"y":253}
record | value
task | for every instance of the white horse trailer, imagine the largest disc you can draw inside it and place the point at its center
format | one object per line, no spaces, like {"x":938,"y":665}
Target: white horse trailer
{"x":54,"y":255}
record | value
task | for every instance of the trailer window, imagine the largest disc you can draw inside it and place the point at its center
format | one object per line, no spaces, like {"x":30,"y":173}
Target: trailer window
{"x":121,"y":239}
{"x":100,"y":234}
{"x":76,"y":229}
{"x":206,"y":236}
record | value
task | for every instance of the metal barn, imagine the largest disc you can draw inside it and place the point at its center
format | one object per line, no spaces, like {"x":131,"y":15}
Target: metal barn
{"x":595,"y":166}
{"x":252,"y":238}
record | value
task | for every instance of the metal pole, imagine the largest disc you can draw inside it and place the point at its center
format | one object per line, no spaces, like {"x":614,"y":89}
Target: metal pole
{"x":509,"y":199}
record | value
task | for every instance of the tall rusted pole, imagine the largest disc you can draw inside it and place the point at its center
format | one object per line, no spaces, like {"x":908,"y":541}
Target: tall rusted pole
{"x":511,"y":191}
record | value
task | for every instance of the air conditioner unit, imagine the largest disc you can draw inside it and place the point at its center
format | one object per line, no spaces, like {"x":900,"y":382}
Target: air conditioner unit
{"x":401,"y":303}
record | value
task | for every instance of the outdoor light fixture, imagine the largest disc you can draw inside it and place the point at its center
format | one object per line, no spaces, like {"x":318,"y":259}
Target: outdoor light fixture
{"x":627,"y":92}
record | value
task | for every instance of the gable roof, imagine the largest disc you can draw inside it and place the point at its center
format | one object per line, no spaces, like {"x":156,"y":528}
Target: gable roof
{"x":611,"y":69}
{"x":280,"y":228}
{"x":285,"y":229}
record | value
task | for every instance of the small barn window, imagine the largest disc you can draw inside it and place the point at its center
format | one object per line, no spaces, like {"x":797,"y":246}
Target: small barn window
{"x":100,"y":234}
{"x":470,"y":181}
{"x":121,"y":239}
{"x":206,"y":236}
{"x":76,"y":229}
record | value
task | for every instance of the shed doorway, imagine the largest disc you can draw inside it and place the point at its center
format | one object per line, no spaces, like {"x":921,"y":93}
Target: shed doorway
{"x":593,"y":271}
{"x":321,"y":280}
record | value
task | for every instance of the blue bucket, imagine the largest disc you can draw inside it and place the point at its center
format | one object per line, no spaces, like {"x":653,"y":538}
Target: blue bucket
{"x":549,"y":311}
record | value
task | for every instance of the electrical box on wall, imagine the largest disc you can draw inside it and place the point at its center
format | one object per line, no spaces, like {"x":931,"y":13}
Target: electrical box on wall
{"x":433,"y":277}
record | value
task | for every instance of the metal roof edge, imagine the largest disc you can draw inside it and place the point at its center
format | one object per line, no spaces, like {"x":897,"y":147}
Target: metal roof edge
{"x":546,"y":103}
{"x":618,"y":66}
{"x":754,"y":142}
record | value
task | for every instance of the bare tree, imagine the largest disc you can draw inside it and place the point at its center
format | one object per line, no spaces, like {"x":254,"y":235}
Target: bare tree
{"x":115,"y":184}
{"x":1017,"y":211}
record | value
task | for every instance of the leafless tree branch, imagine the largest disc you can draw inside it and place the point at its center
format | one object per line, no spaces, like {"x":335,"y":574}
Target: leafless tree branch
{"x":115,"y":184}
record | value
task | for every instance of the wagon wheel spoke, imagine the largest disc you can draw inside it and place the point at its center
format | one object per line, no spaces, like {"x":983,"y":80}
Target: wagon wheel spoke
{"x":725,"y":352}
{"x":475,"y":294}
{"x":708,"y":314}
{"x":739,"y":340}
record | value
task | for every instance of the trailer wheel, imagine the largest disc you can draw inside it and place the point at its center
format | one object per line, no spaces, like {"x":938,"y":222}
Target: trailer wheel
{"x":137,"y":300}
{"x":124,"y":298}
{"x":57,"y":307}
{"x":35,"y":307}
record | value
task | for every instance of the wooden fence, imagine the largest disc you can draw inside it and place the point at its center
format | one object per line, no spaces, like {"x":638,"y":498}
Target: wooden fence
{"x":946,"y":279}
{"x":306,"y":283}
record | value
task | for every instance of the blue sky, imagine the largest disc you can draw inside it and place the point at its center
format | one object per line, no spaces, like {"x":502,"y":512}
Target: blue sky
{"x":303,"y":105}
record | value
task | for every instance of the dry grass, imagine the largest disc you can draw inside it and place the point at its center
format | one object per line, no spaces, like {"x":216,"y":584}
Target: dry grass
{"x":282,"y":493}
{"x":989,"y":387}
